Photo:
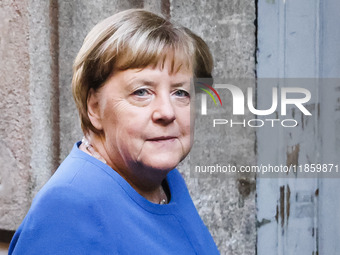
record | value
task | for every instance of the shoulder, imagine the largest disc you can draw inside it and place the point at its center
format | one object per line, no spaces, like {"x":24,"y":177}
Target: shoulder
{"x":78,"y":185}
{"x":79,"y":177}
{"x":69,"y":213}
{"x":60,"y":220}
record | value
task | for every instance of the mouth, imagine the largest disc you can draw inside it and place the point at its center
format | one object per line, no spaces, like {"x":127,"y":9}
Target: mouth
{"x":162,"y":139}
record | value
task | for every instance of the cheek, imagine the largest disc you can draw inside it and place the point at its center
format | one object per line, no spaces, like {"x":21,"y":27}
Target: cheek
{"x":109,"y":112}
{"x":186,"y":121}
{"x":131,"y":128}
{"x":187,"y":126}
{"x":118,"y":114}
{"x":128,"y":140}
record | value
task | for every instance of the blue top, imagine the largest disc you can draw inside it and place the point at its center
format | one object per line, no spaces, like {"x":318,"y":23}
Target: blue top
{"x":87,"y":208}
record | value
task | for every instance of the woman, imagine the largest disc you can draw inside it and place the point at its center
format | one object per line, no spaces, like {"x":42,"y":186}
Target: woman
{"x":118,"y":192}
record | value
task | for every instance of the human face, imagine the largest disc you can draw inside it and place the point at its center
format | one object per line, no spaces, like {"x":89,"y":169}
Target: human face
{"x":144,"y":115}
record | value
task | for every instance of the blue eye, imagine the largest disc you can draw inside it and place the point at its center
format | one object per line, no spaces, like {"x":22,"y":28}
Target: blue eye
{"x":182,"y":93}
{"x":140,"y":92}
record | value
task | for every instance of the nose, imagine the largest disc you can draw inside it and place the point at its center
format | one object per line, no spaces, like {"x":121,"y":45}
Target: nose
{"x":163,"y":111}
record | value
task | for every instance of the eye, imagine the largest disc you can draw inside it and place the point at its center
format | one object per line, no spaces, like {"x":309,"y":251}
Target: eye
{"x":182,"y":93}
{"x":141,"y":92}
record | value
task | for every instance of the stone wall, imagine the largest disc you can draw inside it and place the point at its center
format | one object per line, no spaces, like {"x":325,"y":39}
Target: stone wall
{"x":15,"y":107}
{"x":38,"y":42}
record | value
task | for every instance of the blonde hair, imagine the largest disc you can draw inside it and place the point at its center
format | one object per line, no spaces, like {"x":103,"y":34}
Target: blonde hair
{"x":130,"y":39}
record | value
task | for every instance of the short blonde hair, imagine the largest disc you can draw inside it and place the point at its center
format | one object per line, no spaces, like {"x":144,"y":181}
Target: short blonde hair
{"x":133,"y":38}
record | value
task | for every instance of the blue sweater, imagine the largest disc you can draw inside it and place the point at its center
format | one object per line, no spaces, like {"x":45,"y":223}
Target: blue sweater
{"x":87,"y":208}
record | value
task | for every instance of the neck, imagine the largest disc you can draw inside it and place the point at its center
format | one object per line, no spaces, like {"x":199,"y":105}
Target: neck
{"x":147,"y":182}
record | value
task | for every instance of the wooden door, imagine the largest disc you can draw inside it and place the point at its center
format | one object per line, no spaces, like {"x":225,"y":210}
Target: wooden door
{"x":299,"y":46}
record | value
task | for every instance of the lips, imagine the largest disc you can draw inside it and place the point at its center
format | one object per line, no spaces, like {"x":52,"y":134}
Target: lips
{"x":162,"y":139}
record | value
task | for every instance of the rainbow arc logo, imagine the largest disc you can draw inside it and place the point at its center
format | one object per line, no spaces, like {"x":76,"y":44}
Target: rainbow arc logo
{"x":209,"y":93}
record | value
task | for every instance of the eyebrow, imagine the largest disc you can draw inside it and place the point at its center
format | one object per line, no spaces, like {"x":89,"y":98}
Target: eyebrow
{"x":180,"y":84}
{"x":138,"y":81}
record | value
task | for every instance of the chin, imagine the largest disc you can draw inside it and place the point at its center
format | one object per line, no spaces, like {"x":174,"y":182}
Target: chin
{"x":162,"y":163}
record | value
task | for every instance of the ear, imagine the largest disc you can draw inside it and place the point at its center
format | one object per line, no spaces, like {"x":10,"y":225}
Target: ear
{"x":93,"y":109}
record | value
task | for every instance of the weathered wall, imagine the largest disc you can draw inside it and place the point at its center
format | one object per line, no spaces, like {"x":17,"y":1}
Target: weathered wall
{"x":53,"y":35}
{"x":300,"y":39}
{"x":44,"y":102}
{"x":15,"y":123}
{"x":29,"y":104}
